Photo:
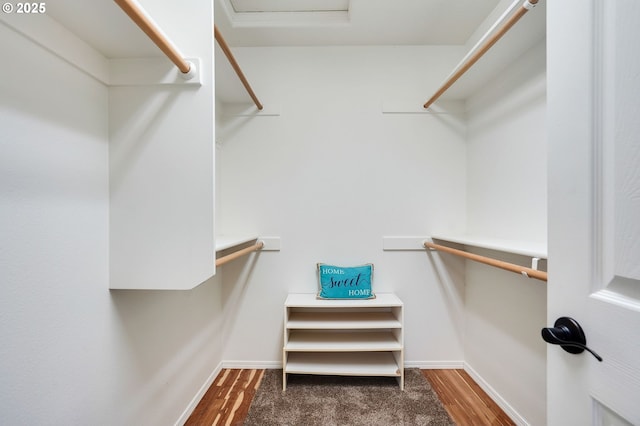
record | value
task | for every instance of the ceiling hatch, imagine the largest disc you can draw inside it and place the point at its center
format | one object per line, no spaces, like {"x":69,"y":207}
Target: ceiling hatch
{"x":288,"y":11}
{"x":247,"y":6}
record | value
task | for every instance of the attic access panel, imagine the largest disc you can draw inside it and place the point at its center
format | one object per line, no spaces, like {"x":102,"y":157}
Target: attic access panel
{"x":249,"y":6}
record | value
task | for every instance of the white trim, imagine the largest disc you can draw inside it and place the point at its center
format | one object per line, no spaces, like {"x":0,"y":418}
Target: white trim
{"x":266,"y":365}
{"x":198,"y":396}
{"x":435,"y":365}
{"x":496,"y":397}
{"x":423,"y":365}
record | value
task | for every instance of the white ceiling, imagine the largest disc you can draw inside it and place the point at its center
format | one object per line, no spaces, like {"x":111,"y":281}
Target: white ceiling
{"x":367,"y":22}
{"x":104,"y":26}
{"x":381,"y":22}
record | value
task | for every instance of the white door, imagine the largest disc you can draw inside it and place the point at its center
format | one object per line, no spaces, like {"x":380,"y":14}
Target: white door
{"x":594,"y":208}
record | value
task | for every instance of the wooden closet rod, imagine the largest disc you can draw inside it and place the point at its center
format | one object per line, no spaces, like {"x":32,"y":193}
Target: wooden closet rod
{"x":527,"y":272}
{"x":232,"y":60}
{"x":528,"y":4}
{"x":228,"y":258}
{"x":137,"y":15}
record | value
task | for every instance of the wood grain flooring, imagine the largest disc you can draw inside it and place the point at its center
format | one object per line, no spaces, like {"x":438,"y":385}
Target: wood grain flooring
{"x":228,"y":399}
{"x":464,"y":400}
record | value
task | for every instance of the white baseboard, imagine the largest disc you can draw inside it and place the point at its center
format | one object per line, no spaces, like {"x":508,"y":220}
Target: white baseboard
{"x":266,"y":365}
{"x":425,"y":365}
{"x":434,"y":365}
{"x":493,"y":394}
{"x":196,"y":399}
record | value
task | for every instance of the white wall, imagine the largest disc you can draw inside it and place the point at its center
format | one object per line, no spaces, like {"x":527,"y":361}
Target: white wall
{"x":73,"y":352}
{"x":506,"y":155}
{"x":331,"y":176}
{"x":506,"y":184}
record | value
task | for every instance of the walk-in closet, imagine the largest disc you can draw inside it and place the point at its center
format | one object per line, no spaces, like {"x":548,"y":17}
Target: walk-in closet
{"x":173,"y":173}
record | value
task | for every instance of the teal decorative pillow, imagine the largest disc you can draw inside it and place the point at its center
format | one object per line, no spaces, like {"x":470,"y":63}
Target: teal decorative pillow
{"x":339,"y":282}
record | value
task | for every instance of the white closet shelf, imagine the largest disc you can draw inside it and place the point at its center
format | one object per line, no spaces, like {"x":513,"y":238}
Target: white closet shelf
{"x":310,"y":341}
{"x":304,"y":300}
{"x":224,"y":242}
{"x":342,"y":320}
{"x":524,"y":248}
{"x":343,"y":364}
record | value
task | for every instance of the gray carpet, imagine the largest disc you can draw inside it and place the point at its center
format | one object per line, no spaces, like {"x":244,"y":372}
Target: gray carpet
{"x":340,"y":401}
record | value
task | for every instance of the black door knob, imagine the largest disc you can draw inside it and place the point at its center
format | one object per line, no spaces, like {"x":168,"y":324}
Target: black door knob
{"x":567,"y":333}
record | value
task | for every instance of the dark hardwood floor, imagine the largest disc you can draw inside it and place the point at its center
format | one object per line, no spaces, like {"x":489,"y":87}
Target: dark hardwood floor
{"x":228,"y":399}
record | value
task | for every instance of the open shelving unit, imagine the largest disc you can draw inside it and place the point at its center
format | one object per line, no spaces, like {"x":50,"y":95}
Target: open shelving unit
{"x":343,"y":337}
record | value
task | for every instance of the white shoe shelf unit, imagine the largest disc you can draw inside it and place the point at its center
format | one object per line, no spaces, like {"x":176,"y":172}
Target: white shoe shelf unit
{"x":350,"y":337}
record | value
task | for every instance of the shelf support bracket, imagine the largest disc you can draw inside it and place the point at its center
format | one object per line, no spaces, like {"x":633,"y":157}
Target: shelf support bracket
{"x":534,"y":263}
